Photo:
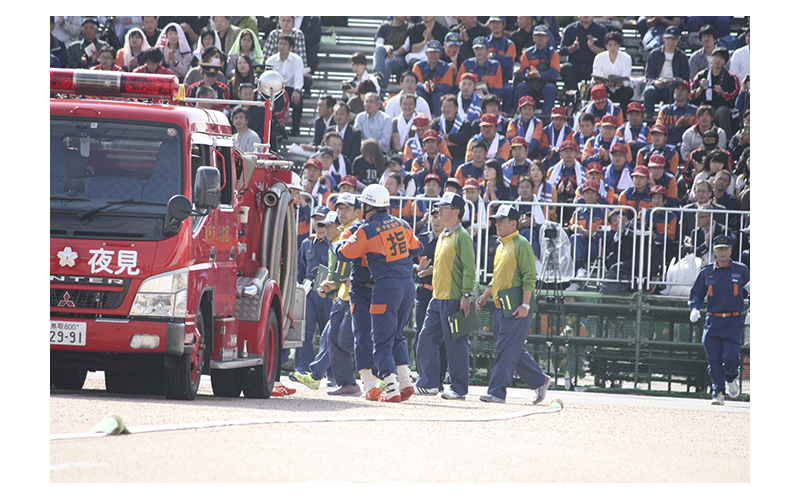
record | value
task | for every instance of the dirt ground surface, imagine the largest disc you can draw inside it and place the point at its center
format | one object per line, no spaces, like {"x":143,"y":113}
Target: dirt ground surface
{"x":312,"y":437}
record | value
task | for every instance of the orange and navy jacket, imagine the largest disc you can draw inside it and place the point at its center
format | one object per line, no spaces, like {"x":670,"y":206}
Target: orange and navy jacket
{"x":581,"y":139}
{"x":611,"y":196}
{"x":503,"y":148}
{"x":724,"y":287}
{"x":611,"y":178}
{"x":388,"y":243}
{"x":581,"y":215}
{"x":490,"y":72}
{"x":592,"y":147}
{"x":517,"y":128}
{"x":533,"y":56}
{"x":413,"y":148}
{"x":441,"y":75}
{"x":303,"y":223}
{"x":664,"y":225}
{"x":424,"y":163}
{"x":467,"y":170}
{"x":610,"y":109}
{"x":359,"y":274}
{"x":505,"y":52}
{"x":637,"y":200}
{"x":669,"y":116}
{"x":670,"y":183}
{"x":512,"y":172}
{"x":669,"y":152}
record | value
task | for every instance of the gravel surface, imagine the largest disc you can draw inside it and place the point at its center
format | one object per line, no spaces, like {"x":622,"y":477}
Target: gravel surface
{"x":596,"y":438}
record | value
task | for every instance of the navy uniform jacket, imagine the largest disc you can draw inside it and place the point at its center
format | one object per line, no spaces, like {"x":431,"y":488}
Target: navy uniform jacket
{"x":313,"y":252}
{"x":723,"y":286}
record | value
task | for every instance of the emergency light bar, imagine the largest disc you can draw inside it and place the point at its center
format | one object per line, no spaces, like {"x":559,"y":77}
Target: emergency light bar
{"x":114,"y":84}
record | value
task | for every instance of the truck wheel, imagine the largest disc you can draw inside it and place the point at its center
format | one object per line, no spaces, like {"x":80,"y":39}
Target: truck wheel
{"x":70,"y":379}
{"x":226,"y":383}
{"x":258,"y":381}
{"x":183,"y":380}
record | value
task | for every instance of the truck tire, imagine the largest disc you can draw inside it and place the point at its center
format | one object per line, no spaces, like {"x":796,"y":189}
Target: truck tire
{"x":259,"y":381}
{"x":226,"y":383}
{"x":182,"y":380}
{"x":70,"y":379}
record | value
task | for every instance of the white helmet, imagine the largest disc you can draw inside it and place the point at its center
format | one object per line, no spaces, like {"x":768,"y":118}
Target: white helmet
{"x":296,"y":183}
{"x":375,"y":195}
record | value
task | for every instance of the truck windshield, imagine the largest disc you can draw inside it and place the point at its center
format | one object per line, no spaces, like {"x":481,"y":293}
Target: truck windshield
{"x":112,"y":170}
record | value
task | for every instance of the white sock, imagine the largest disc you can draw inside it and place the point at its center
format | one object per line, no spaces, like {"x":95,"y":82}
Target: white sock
{"x":367,"y":379}
{"x":391,"y":384}
{"x":404,"y":375}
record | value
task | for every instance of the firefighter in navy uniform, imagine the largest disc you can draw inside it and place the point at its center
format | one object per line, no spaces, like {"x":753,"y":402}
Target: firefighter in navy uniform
{"x":389,"y":245}
{"x":724,"y":283}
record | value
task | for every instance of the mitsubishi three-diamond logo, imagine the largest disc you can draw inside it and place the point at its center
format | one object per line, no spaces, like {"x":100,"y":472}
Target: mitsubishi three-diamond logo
{"x":66,"y":301}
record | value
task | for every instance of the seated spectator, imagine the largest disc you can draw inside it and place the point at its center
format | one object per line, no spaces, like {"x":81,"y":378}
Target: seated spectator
{"x":617,"y":176}
{"x":289,"y":65}
{"x":409,"y":81}
{"x":152,"y":63}
{"x":567,"y":174}
{"x":315,"y":183}
{"x":595,"y":173}
{"x":584,"y":224}
{"x":453,"y":129}
{"x":150,"y":30}
{"x":226,"y":31}
{"x":452,"y":53}
{"x":653,"y":29}
{"x":543,"y":190}
{"x":723,"y":187}
{"x":286,"y":28}
{"x":664,"y":226}
{"x":246,"y":45}
{"x":491,"y":105}
{"x":324,"y":119}
{"x":402,"y":123}
{"x":413,"y":146}
{"x":598,"y":148}
{"x":374,"y":123}
{"x":540,"y":68}
{"x":431,"y":161}
{"x":391,"y":47}
{"x":488,"y":71}
{"x":67,"y":29}
{"x":718,"y":88}
{"x":246,"y":92}
{"x":435,"y":77}
{"x":581,"y":41}
{"x":79,"y":53}
{"x":701,"y":58}
{"x":473,"y":168}
{"x":678,"y":116}
{"x":531,"y":217}
{"x":494,"y":184}
{"x":659,"y":177}
{"x":357,"y":103}
{"x":619,"y":247}
{"x":613,"y":63}
{"x":243,"y":73}
{"x":638,"y":195}
{"x":743,"y":176}
{"x":369,"y":166}
{"x":741,"y":140}
{"x":519,"y":165}
{"x":452,"y":186}
{"x":664,"y":64}
{"x":468,"y":30}
{"x":501,"y":49}
{"x":469,"y":101}
{"x":586,"y":130}
{"x":212,"y":56}
{"x":720,"y":24}
{"x":555,"y":133}
{"x":358,"y":63}
{"x":693,"y":137}
{"x":419,"y":36}
{"x":526,"y":126}
{"x":635,"y":133}
{"x":740,"y":60}
{"x":340,"y":165}
{"x":351,"y":137}
{"x":497,"y":145}
{"x":58,"y":49}
{"x":208,"y":38}
{"x":106,"y":57}
{"x":475,"y":216}
{"x":698,"y":241}
{"x":601,"y":106}
{"x":704,"y":164}
{"x":325,"y":157}
{"x":176,"y":50}
{"x":704,"y":193}
{"x":523,"y":35}
{"x":131,"y":55}
{"x":658,"y":144}
{"x":244,"y":138}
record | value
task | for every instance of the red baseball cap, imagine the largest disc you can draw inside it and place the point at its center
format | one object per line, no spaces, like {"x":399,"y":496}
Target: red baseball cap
{"x":599,"y":92}
{"x":430,"y":134}
{"x":656,"y":160}
{"x":594,"y":167}
{"x":420,"y":121}
{"x":590,"y":185}
{"x":683,"y":83}
{"x":658,"y":189}
{"x":635,"y":106}
{"x":619,"y":148}
{"x":568,"y":144}
{"x":641,"y":170}
{"x":313,"y":162}
{"x":558,"y":111}
{"x":519,"y":141}
{"x":488,"y":119}
{"x":468,"y":76}
{"x":608,"y":121}
{"x":432,"y":176}
{"x":659,"y":129}
{"x":524,"y":100}
{"x":471,"y":182}
{"x":349,"y":180}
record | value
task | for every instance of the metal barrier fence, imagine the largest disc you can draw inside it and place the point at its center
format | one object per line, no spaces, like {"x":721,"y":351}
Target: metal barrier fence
{"x":631,"y":339}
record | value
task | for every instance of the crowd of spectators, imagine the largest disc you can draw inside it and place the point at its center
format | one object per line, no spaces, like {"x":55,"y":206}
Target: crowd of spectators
{"x":510,"y":109}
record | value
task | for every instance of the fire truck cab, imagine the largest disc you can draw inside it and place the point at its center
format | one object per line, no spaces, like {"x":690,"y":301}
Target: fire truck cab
{"x":172,"y":253}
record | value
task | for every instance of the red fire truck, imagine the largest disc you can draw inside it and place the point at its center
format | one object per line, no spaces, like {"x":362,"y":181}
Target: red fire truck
{"x":172,"y":253}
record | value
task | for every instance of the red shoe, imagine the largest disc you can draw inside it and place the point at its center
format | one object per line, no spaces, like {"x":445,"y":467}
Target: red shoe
{"x":282,"y":390}
{"x":394,"y":399}
{"x":373,"y":394}
{"x":406,"y":393}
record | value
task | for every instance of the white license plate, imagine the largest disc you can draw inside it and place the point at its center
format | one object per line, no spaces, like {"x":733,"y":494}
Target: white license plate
{"x":67,"y":333}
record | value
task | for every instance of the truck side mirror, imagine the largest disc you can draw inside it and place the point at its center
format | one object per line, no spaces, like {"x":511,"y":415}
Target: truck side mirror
{"x":179,"y":207}
{"x":207,"y":188}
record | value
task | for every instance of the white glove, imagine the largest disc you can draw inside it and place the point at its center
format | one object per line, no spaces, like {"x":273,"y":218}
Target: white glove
{"x":694,"y":315}
{"x":747,"y":319}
